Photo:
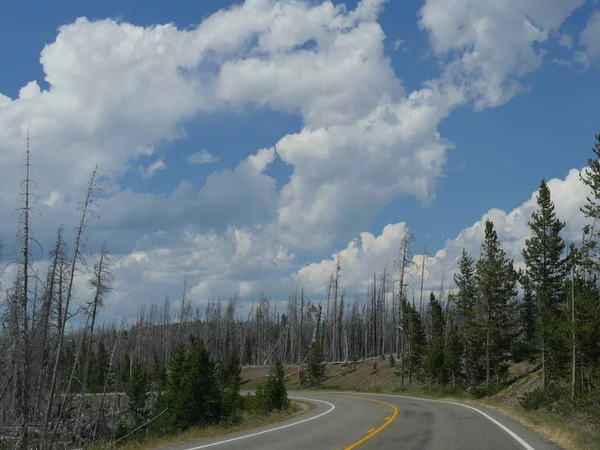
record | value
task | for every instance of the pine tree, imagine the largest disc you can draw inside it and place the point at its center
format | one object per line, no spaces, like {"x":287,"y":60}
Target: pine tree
{"x":204,"y":386}
{"x":496,"y":282}
{"x":229,"y":381}
{"x":418,"y":341}
{"x":546,"y":272}
{"x":137,"y":390}
{"x":452,"y":350}
{"x":272,"y":395}
{"x":100,"y":368}
{"x":528,"y":313}
{"x":314,"y":372}
{"x":434,"y":362}
{"x":469,"y":329}
{"x":591,"y":210}
{"x":176,"y":398}
{"x":587,"y":308}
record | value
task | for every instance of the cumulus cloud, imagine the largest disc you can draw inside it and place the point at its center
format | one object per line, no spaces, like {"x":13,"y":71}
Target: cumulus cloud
{"x":354,"y":170}
{"x":202,"y":157}
{"x":490,"y":47}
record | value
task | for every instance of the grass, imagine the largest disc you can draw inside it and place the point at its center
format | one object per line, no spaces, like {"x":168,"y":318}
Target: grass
{"x":572,"y":432}
{"x":248,"y":422}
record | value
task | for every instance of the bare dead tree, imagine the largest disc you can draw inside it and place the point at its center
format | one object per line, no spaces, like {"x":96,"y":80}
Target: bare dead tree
{"x":101,"y":282}
{"x":77,"y":257}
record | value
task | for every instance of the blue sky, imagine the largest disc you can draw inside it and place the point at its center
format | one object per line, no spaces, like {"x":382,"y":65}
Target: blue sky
{"x":495,"y":152}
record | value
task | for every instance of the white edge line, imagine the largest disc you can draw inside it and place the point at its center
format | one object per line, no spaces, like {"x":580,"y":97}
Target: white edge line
{"x":273,"y":429}
{"x":515,"y":436}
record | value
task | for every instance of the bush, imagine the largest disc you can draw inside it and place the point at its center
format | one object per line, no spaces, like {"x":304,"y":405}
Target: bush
{"x":553,"y":397}
{"x":121,"y":430}
{"x":314,"y":372}
{"x":272,"y":395}
{"x":392,"y":361}
{"x":483,"y":390}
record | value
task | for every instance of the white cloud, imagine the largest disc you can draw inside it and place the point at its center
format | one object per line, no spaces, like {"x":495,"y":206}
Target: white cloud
{"x":216,"y":264}
{"x":344,"y":74}
{"x":202,"y":157}
{"x":491,"y":45}
{"x":354,"y":170}
{"x":153,"y":169}
{"x":358,"y":261}
{"x":397,"y":44}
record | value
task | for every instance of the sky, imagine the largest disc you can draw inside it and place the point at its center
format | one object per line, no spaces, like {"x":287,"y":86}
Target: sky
{"x":245,"y":145}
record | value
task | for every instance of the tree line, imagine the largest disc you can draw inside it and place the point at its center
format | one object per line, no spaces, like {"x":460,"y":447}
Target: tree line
{"x":58,"y":385}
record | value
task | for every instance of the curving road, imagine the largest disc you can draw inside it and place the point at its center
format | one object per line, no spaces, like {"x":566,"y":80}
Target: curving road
{"x":347,"y":420}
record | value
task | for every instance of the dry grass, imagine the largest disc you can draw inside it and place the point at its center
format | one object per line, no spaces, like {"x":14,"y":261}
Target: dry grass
{"x":254,"y":376}
{"x":570,"y":433}
{"x":248,"y":422}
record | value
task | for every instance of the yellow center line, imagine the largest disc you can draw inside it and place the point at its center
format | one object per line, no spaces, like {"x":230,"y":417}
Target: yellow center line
{"x":374,"y":430}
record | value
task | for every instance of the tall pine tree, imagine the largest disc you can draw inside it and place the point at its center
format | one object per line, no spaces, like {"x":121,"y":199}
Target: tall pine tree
{"x":469,"y":329}
{"x":434,"y":362}
{"x":546,"y":272}
{"x":496,"y":281}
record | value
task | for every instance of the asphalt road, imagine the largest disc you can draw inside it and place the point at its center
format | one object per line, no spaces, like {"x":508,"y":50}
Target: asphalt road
{"x":372,"y":421}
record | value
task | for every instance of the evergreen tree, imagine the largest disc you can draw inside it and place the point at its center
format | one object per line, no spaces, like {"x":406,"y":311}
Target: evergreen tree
{"x":272,"y":395}
{"x":466,"y":314}
{"x":314,"y":372}
{"x":586,"y":334}
{"x":436,"y":315}
{"x":452,"y":350}
{"x":528,"y":310}
{"x":591,"y":210}
{"x":176,"y":398}
{"x":229,"y":381}
{"x":434,"y":362}
{"x":546,"y":272}
{"x":418,"y":341}
{"x":496,"y":282}
{"x":137,"y":390}
{"x":159,"y":376}
{"x":204,"y":385}
{"x":99,"y":369}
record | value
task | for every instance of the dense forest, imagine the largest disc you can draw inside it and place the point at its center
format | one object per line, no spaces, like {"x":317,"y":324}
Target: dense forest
{"x":59,"y":386}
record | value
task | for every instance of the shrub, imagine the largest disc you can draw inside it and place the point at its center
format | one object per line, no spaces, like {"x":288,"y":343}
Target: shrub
{"x":314,"y":372}
{"x":553,"y":397}
{"x":272,"y":395}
